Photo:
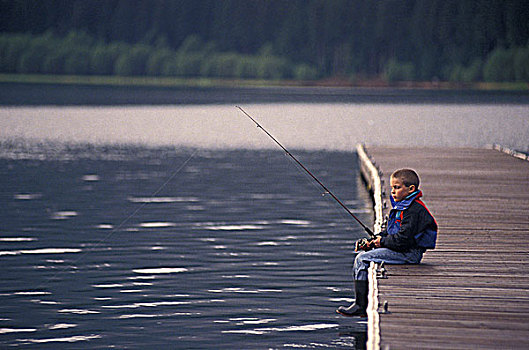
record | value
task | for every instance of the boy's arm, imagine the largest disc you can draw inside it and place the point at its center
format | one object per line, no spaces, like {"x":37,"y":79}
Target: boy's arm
{"x":405,"y":238}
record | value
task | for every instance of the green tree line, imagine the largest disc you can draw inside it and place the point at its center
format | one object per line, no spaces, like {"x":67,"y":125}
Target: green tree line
{"x":399,"y":39}
{"x":80,"y":54}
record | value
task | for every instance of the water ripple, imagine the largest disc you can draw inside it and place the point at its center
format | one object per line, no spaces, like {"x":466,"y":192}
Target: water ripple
{"x":162,"y":199}
{"x":73,"y":339}
{"x":41,"y":251}
{"x":160,"y":270}
{"x":78,"y":311}
{"x":17,"y":239}
{"x":303,"y":328}
{"x":233,"y":227}
{"x":27,"y":196}
{"x":17,"y":330}
{"x":157,"y":224}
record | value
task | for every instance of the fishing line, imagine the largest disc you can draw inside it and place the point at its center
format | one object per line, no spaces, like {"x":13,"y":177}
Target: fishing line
{"x":123,"y":222}
{"x":327,"y":191}
{"x":329,"y":202}
{"x":173,"y":175}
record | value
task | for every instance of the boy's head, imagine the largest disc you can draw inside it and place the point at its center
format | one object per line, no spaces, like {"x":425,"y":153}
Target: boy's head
{"x":403,"y":183}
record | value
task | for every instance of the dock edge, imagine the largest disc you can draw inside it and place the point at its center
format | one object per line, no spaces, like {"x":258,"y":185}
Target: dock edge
{"x":371,"y":176}
{"x":509,"y":151}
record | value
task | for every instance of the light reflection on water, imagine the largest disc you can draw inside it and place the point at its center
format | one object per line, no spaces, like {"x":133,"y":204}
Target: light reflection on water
{"x":309,"y":126}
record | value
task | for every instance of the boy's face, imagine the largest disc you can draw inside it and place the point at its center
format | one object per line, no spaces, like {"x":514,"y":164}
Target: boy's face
{"x":399,"y":191}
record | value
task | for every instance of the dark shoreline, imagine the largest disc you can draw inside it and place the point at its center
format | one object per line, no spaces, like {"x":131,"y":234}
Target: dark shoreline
{"x":37,"y":94}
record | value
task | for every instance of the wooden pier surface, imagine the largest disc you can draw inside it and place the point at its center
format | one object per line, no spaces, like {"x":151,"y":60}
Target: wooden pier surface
{"x":472,"y":291}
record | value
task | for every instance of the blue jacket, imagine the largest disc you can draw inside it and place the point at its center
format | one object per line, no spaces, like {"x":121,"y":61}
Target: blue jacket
{"x":410,"y":225}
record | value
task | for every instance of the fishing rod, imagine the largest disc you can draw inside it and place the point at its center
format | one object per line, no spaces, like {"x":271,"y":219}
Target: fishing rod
{"x":369,"y":232}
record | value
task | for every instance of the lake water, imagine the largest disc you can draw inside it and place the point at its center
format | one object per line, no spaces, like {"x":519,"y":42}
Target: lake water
{"x":155,"y":226}
{"x":140,"y":247}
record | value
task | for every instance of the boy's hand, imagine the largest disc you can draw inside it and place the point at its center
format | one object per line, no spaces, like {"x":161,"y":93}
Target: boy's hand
{"x":367,"y":244}
{"x":361,"y":244}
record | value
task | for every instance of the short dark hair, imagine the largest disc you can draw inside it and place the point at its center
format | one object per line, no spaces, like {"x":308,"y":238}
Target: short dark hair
{"x":407,"y":176}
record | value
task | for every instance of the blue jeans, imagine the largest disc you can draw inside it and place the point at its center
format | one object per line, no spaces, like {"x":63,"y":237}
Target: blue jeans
{"x":385,"y":255}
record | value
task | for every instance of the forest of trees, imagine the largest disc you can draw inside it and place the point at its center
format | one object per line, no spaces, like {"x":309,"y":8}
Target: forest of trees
{"x":452,"y":40}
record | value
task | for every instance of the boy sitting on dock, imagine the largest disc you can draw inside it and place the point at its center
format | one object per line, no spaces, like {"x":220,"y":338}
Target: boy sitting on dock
{"x":411,"y":229}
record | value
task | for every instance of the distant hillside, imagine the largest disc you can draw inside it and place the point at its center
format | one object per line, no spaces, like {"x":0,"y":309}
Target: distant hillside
{"x":456,"y":40}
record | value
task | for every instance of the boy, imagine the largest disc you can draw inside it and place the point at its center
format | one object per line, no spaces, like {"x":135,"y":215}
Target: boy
{"x":411,"y":229}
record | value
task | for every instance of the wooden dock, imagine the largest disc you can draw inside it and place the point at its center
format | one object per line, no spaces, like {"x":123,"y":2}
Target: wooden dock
{"x":472,"y":291}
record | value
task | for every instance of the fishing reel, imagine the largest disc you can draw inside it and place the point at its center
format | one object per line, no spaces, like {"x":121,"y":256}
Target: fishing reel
{"x":365,"y":244}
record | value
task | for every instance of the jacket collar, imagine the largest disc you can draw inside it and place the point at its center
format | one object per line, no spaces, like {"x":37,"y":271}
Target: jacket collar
{"x":405,"y":203}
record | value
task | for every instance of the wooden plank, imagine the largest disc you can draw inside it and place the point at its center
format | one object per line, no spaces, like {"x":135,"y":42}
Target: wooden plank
{"x":472,"y":291}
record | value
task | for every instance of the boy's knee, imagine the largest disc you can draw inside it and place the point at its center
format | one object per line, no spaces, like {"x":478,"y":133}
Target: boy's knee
{"x":360,"y":255}
{"x":361,"y":261}
{"x":363,"y":257}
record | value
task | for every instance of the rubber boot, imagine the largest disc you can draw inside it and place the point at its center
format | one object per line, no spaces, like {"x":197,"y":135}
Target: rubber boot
{"x":358,"y":308}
